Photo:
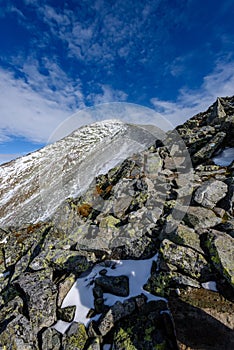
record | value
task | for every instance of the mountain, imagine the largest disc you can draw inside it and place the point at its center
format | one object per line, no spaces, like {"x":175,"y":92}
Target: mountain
{"x":33,"y":186}
{"x":132,"y":244}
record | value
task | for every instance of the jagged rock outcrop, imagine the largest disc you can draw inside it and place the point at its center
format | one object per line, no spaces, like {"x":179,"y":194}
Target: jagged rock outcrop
{"x":153,"y":202}
{"x":209,"y":132}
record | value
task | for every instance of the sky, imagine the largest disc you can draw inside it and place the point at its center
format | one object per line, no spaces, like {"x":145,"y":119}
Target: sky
{"x":59,"y":57}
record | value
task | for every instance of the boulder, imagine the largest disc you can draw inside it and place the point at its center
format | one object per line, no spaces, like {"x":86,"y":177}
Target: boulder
{"x":221,"y":247}
{"x":118,"y":285}
{"x":115,"y":313}
{"x":63,"y":260}
{"x":17,"y":334}
{"x":200,"y":218}
{"x":39,"y":294}
{"x":210,"y":193}
{"x":75,"y":337}
{"x":158,"y":331}
{"x":186,"y":236}
{"x":184,"y":259}
{"x":66,"y":314}
{"x":209,"y":149}
{"x":51,"y":339}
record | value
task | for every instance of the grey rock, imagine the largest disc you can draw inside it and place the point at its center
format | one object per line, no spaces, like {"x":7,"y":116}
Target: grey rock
{"x":60,"y":259}
{"x":221,"y":248}
{"x":218,"y":113}
{"x":75,"y":337}
{"x":210,"y":193}
{"x":208,"y":151}
{"x":179,"y":279}
{"x":184,"y":235}
{"x":203,"y":319}
{"x":51,"y":339}
{"x":66,"y":313}
{"x":116,"y":312}
{"x":118,"y":285}
{"x":40,"y":296}
{"x":150,"y":329}
{"x":18,"y":334}
{"x":64,"y":287}
{"x":185,"y":259}
{"x":200,"y":218}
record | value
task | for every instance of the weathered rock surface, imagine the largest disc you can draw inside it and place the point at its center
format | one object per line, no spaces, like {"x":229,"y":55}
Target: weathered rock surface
{"x":221,"y":249}
{"x":75,"y":338}
{"x":185,"y":259}
{"x":200,"y":218}
{"x":210,"y":193}
{"x":114,"y":285}
{"x":153,"y":202}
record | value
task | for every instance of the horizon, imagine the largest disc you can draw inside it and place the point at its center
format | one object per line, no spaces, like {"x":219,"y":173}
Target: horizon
{"x":59,"y":59}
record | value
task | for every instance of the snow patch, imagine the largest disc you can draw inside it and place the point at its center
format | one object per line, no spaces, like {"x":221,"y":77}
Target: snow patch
{"x":4,"y":274}
{"x":4,"y":241}
{"x":81,"y":293}
{"x":106,"y":347}
{"x":210,"y":285}
{"x":225,"y":157}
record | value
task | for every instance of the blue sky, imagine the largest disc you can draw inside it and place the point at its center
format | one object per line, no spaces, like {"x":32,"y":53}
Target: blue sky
{"x":57,"y":57}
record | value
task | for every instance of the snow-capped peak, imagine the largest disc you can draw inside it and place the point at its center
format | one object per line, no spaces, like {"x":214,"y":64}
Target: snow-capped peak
{"x":33,"y":186}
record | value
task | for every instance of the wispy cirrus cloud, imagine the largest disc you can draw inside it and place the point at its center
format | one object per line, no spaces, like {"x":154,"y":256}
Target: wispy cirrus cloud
{"x":99,"y":32}
{"x":190,"y":102}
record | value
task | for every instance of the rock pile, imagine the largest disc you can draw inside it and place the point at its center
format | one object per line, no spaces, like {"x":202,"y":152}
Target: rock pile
{"x":155,"y":201}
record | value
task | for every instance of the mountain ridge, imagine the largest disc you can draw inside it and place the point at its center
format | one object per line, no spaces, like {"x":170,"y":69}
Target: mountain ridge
{"x":155,"y":205}
{"x":62,"y":157}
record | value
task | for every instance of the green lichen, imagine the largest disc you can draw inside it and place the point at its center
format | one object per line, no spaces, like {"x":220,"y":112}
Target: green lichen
{"x":159,"y":284}
{"x":148,"y":333}
{"x":77,"y":340}
{"x":161,"y":346}
{"x":221,"y":262}
{"x":123,"y":339}
{"x":109,"y":221}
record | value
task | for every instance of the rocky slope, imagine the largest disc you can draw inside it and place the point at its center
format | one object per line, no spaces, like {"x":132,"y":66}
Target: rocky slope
{"x":154,"y":206}
{"x":33,"y":186}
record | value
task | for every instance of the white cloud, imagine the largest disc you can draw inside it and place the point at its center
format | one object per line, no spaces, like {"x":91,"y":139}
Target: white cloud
{"x":25,"y":112}
{"x":55,"y":85}
{"x":190,"y":102}
{"x":108,"y":32}
{"x":107,"y":95}
{"x":35,"y":107}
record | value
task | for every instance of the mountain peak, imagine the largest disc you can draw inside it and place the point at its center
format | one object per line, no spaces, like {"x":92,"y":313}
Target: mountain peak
{"x":34,"y":185}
